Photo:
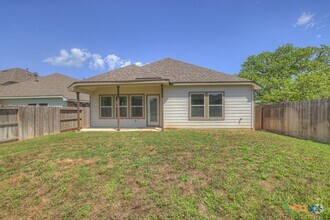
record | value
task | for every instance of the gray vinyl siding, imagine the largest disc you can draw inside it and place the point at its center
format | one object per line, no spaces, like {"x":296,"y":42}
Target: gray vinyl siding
{"x":96,"y":121}
{"x":238,"y":103}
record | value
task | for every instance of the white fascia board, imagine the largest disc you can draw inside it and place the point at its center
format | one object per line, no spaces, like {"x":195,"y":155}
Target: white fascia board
{"x":219,"y":84}
{"x":34,"y":97}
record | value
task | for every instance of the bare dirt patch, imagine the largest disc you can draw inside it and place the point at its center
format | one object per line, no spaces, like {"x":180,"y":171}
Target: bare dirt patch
{"x":150,"y":150}
{"x":44,"y":154}
{"x":185,"y":155}
{"x":68,"y":162}
{"x":267,"y":185}
{"x":202,"y":209}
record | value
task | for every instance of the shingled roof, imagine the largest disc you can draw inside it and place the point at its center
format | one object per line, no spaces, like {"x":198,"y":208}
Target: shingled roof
{"x":52,"y":85}
{"x":177,"y":71}
{"x":173,"y":70}
{"x":127,"y":73}
{"x":14,"y":75}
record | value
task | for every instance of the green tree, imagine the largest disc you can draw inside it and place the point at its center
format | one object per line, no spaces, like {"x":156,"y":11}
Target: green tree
{"x":290,"y":73}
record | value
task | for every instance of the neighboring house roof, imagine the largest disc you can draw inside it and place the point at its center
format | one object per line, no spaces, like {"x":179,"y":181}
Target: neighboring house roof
{"x":14,"y":75}
{"x":52,"y":85}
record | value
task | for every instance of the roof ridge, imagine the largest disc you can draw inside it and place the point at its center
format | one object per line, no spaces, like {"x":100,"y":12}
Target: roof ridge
{"x":180,"y":71}
{"x":183,"y":62}
{"x":121,"y":69}
{"x":58,"y":74}
{"x":107,"y":72}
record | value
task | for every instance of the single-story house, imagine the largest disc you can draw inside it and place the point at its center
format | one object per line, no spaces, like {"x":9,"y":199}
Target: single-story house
{"x":49,"y":90}
{"x":14,"y":75}
{"x":169,"y":94}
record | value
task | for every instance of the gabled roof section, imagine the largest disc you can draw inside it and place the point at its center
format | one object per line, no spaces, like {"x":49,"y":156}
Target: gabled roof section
{"x":166,"y":71}
{"x":14,"y":75}
{"x":52,"y":85}
{"x":177,"y":71}
{"x":127,"y":73}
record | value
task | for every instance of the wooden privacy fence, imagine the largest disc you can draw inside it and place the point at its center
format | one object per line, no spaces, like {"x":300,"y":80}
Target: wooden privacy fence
{"x":24,"y":122}
{"x":304,"y":119}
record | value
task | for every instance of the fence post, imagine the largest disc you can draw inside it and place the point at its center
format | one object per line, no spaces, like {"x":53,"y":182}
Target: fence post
{"x":18,"y":125}
{"x":261,"y":117}
{"x":78,"y":111}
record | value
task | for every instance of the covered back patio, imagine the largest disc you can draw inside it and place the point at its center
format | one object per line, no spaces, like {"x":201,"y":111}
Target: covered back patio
{"x":140,"y":104}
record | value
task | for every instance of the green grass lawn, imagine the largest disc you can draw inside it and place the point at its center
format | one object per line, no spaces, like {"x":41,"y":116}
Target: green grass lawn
{"x":205,"y":174}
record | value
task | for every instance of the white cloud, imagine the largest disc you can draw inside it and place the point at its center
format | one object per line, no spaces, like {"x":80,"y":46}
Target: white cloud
{"x":319,"y":36}
{"x":113,"y":61}
{"x":126,"y":63}
{"x":75,"y":57}
{"x":306,"y":19}
{"x":97,"y":63}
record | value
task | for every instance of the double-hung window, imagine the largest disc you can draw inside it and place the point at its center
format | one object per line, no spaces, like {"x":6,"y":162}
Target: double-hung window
{"x":197,"y":105}
{"x":206,"y":105}
{"x":215,"y":105}
{"x":106,"y":104}
{"x":136,"y":106}
{"x":123,"y":106}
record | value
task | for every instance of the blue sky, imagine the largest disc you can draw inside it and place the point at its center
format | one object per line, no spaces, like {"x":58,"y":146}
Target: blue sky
{"x":85,"y":38}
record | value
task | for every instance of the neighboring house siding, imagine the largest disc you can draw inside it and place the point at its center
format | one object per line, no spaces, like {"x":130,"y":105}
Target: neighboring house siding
{"x":96,"y":121}
{"x":238,"y":104}
{"x":51,"y":102}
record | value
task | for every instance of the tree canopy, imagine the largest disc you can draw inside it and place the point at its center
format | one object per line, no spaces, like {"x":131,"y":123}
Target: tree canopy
{"x":290,"y":73}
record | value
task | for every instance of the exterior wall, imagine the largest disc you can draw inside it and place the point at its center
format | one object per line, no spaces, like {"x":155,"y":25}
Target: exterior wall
{"x":238,"y":104}
{"x":96,"y":121}
{"x":49,"y":101}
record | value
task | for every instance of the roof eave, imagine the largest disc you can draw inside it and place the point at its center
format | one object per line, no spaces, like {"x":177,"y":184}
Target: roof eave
{"x":74,"y":86}
{"x":229,"y":83}
{"x":35,"y":97}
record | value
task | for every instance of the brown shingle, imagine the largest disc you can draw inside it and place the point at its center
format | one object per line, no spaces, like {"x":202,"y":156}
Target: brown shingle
{"x":52,"y":85}
{"x":14,"y":75}
{"x":178,"y":71}
{"x":127,"y":73}
{"x":173,"y":70}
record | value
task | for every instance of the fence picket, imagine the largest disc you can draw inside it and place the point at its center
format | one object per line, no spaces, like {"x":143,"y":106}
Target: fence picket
{"x":304,"y":119}
{"x":24,"y":122}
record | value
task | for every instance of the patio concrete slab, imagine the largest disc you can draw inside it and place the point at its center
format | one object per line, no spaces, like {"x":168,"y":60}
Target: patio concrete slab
{"x":122,"y":129}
